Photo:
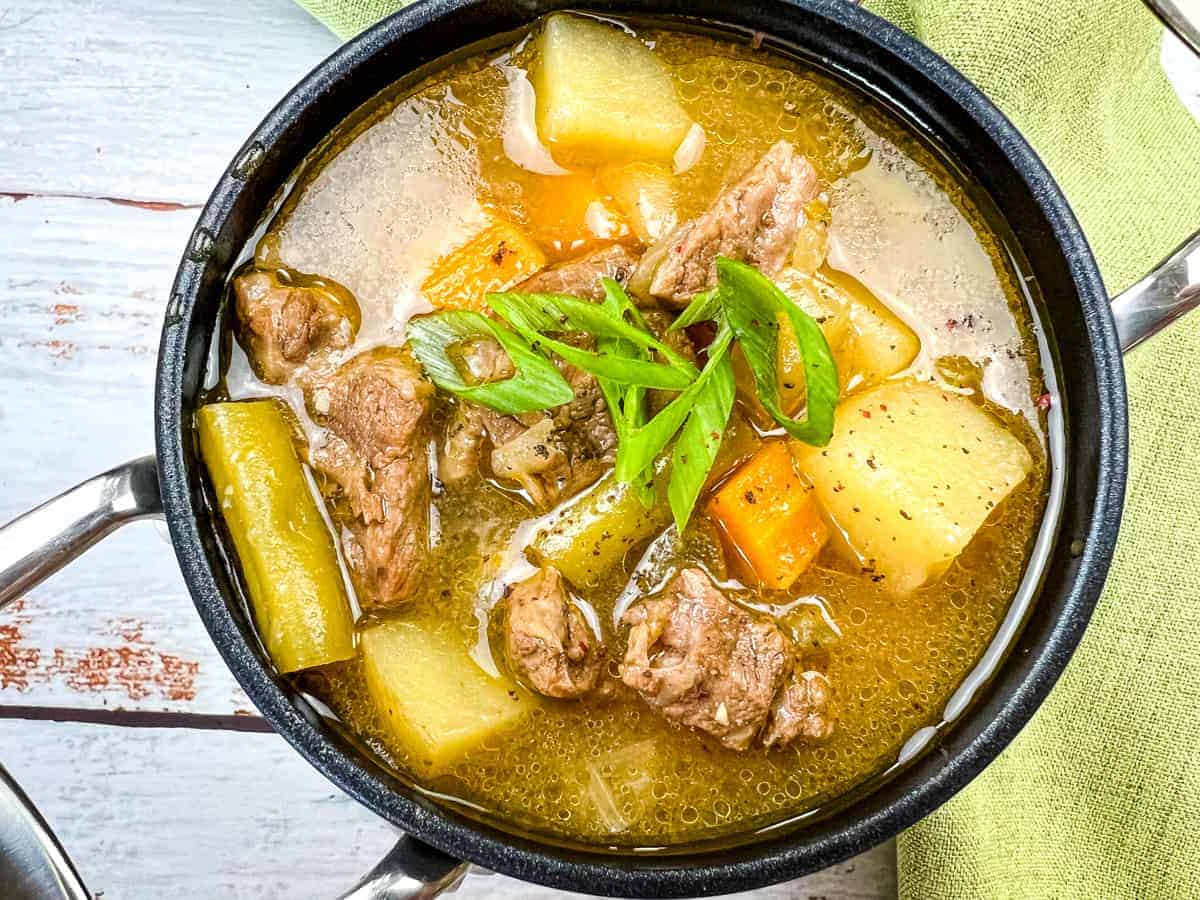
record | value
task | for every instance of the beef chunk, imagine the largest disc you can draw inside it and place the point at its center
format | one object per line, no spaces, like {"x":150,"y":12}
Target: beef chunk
{"x":547,"y":639}
{"x":802,"y":711}
{"x":376,"y":409}
{"x":550,"y":455}
{"x":585,"y":422}
{"x":755,"y":220}
{"x":580,"y":277}
{"x":704,"y":662}
{"x":659,"y":322}
{"x":281,"y":326}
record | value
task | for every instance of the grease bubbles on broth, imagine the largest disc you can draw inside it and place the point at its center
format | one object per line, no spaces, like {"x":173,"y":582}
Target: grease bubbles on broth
{"x":416,"y":175}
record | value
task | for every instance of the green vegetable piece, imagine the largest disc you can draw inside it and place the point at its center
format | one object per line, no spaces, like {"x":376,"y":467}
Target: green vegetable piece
{"x":285,"y":550}
{"x":697,"y":445}
{"x":750,"y":305}
{"x":536,"y":315}
{"x":704,"y":307}
{"x":593,"y":533}
{"x":628,"y":405}
{"x":537,"y":383}
{"x":643,"y":445}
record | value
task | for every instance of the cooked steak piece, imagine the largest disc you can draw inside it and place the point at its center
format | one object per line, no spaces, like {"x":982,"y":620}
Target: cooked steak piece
{"x":551,"y":455}
{"x":376,"y":409}
{"x":281,"y":326}
{"x":755,"y":220}
{"x":580,"y":277}
{"x":547,"y":639}
{"x":802,"y":711}
{"x":585,"y":422}
{"x":704,"y":662}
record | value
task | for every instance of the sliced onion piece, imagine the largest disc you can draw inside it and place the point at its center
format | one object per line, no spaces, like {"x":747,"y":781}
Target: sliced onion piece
{"x":690,"y":149}
{"x":521,"y":142}
{"x":602,"y":222}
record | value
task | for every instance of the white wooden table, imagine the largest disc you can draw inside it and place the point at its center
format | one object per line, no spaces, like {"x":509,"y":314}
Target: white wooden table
{"x":116,"y":714}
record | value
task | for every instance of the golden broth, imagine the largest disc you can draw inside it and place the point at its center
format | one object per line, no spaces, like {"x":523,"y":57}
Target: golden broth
{"x":375,"y":211}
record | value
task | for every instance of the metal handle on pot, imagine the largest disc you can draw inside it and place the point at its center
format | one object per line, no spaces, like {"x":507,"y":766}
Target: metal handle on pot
{"x":37,"y":544}
{"x":412,"y":870}
{"x":1170,"y":290}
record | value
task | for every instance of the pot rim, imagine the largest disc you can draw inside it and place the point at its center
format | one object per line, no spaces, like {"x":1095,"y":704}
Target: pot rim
{"x":684,"y":874}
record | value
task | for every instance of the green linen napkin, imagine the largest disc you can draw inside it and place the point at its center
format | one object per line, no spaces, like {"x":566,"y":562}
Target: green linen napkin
{"x":1100,"y":795}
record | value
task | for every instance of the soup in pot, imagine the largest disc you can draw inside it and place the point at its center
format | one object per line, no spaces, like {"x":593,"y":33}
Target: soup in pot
{"x":630,"y":435}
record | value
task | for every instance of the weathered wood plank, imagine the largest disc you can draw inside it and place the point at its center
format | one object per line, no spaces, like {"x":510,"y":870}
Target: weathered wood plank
{"x":141,"y":99}
{"x":150,"y":813}
{"x":82,"y":289}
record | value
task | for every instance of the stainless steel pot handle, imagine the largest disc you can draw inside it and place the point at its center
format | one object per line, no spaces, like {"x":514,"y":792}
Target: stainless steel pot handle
{"x":412,"y":870}
{"x":37,"y":544}
{"x":1168,"y":292}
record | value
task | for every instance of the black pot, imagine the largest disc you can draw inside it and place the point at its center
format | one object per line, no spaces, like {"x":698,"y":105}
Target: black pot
{"x":861,"y":51}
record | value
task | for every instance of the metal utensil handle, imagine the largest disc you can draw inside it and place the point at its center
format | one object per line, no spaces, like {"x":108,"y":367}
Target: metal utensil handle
{"x":1168,"y":292}
{"x":412,"y":870}
{"x":39,"y":543}
{"x":33,"y":863}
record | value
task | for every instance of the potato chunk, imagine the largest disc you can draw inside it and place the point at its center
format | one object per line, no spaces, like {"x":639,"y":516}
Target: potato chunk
{"x":822,"y":300}
{"x":911,"y":474}
{"x":877,"y":344}
{"x":646,"y":195}
{"x":602,"y":95}
{"x":435,"y":700}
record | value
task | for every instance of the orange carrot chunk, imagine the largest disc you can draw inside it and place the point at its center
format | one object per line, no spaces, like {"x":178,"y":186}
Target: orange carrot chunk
{"x":770,"y":516}
{"x":495,"y":259}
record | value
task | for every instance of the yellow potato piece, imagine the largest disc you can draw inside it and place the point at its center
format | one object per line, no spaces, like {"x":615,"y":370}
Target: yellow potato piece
{"x":877,"y":344}
{"x":602,"y":95}
{"x":433,"y":697}
{"x":821,"y":299}
{"x":646,"y":196}
{"x":911,"y":474}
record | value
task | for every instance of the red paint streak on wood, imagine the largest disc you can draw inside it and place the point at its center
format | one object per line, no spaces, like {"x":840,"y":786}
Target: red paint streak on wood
{"x":58,"y":349}
{"x":65,"y":313}
{"x":152,"y":205}
{"x":140,"y":671}
{"x":149,"y":205}
{"x":135,"y":666}
{"x":17,"y":659}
